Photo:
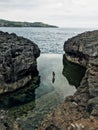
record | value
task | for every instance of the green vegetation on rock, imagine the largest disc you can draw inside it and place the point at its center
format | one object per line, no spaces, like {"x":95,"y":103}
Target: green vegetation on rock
{"x":6,"y":23}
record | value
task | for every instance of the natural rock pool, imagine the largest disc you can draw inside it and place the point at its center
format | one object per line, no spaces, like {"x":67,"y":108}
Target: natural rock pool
{"x":30,"y":105}
{"x":47,"y":64}
{"x":48,"y":95}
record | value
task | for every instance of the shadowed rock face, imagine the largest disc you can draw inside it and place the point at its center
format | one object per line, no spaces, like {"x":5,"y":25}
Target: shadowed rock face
{"x":73,"y":72}
{"x":17,"y":61}
{"x":20,"y":97}
{"x":83,"y":49}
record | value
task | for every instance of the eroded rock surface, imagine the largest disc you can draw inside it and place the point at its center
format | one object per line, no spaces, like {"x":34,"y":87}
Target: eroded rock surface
{"x":17,"y":61}
{"x":83,"y":49}
{"x":6,"y":121}
{"x":80,"y":111}
{"x":69,"y":116}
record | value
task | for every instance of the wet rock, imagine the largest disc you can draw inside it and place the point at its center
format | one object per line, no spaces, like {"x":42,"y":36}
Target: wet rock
{"x":17,"y":61}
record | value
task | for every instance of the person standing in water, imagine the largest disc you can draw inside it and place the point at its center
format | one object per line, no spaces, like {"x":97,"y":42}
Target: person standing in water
{"x":53,"y":77}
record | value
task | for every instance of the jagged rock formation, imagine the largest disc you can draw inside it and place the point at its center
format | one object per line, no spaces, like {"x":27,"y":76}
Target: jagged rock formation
{"x":80,"y":111}
{"x":17,"y":61}
{"x":83,"y":49}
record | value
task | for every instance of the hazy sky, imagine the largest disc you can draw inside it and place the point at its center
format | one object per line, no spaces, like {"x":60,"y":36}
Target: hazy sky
{"x":64,"y":13}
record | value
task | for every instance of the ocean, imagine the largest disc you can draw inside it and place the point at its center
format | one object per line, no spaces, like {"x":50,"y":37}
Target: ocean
{"x":49,"y":40}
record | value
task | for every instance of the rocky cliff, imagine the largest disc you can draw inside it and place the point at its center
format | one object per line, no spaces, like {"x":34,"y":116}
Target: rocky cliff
{"x":17,"y":61}
{"x":83,"y":49}
{"x":80,"y":111}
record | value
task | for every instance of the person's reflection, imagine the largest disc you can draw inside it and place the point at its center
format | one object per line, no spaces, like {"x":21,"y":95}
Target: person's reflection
{"x":53,"y":77}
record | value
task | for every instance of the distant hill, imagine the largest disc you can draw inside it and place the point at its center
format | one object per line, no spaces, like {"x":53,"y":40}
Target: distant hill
{"x":6,"y":23}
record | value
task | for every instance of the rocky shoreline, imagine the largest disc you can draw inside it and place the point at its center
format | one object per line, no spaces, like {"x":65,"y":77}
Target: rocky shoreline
{"x":17,"y":61}
{"x":18,"y":75}
{"x":85,"y":51}
{"x":80,"y":111}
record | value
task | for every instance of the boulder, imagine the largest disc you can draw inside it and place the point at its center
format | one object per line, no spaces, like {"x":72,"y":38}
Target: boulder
{"x":18,"y":63}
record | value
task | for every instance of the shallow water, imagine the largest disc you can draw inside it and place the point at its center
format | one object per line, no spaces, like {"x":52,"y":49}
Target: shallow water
{"x":30,"y":105}
{"x":48,"y":63}
{"x":48,"y":95}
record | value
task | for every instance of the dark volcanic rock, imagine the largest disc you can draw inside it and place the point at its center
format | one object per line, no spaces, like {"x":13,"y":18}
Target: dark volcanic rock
{"x":52,"y":127}
{"x":17,"y":61}
{"x":72,"y":72}
{"x":80,"y":111}
{"x":6,"y":121}
{"x":83,"y":49}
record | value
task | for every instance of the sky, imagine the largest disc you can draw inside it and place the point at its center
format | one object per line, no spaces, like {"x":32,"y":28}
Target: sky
{"x":63,"y":13}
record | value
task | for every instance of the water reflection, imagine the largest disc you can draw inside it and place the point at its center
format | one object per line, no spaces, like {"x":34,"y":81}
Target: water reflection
{"x":73,"y":72}
{"x":22,"y":100}
{"x":53,"y":77}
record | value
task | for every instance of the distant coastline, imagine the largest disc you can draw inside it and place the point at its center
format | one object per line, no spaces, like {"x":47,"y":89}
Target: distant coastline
{"x":6,"y":23}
